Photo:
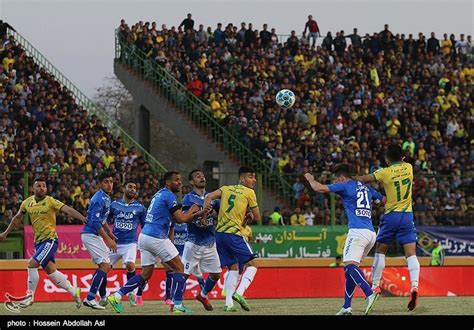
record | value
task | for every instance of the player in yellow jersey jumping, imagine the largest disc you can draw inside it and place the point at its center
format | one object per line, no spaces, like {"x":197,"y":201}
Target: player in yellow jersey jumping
{"x":397,"y":222}
{"x":233,"y":249}
{"x":42,"y":211}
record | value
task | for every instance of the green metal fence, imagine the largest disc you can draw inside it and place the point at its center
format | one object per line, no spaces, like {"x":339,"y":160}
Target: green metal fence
{"x":169,"y":87}
{"x":83,"y":101}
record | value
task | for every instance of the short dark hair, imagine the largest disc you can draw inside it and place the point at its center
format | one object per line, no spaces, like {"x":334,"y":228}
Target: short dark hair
{"x":190,"y":176}
{"x":39,"y":179}
{"x":104,"y":175}
{"x":129,"y":181}
{"x":394,"y":153}
{"x":343,"y":169}
{"x":338,"y":257}
{"x":245,"y":169}
{"x":168,"y":175}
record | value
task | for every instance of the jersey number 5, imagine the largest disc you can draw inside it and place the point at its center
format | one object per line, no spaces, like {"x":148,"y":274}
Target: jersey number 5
{"x":230,"y":201}
{"x":405,"y":182}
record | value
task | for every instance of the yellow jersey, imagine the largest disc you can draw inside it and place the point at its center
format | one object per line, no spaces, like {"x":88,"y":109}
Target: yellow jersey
{"x":43,"y":216}
{"x":234,"y":203}
{"x":247,"y":233}
{"x":397,"y":180}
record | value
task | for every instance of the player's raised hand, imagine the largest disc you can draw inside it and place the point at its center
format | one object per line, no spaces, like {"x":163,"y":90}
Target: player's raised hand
{"x":208,"y":209}
{"x":308,"y":176}
{"x":3,"y":236}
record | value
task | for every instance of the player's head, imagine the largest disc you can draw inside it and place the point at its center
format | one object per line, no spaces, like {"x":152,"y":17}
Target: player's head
{"x":39,"y":187}
{"x":338,"y":259}
{"x":197,"y":179}
{"x":172,"y":181}
{"x":106,"y":182}
{"x":130,"y":190}
{"x":247,"y":176}
{"x":342,"y":172}
{"x":394,"y":153}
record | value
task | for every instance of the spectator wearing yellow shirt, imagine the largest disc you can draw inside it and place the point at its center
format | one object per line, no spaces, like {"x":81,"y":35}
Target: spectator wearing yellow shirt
{"x":216,"y":105}
{"x":442,"y":100}
{"x":446,"y":45}
{"x":108,"y":158}
{"x":393,"y":125}
{"x":374,"y":76}
{"x":421,"y":152}
{"x":8,"y":60}
{"x":410,"y":145}
{"x":299,"y":57}
{"x":88,"y":164}
{"x":283,"y":161}
{"x":297,"y":219}
{"x":100,"y":137}
{"x":312,"y":115}
{"x":80,"y":142}
{"x":123,"y":150}
{"x":80,"y":156}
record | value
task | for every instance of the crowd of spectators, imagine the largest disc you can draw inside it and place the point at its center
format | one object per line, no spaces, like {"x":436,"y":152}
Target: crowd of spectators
{"x":352,"y":102}
{"x":44,"y":132}
{"x":354,"y":98}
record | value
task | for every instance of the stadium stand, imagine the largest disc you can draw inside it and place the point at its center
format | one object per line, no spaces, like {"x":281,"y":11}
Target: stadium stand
{"x":44,"y":131}
{"x":352,"y":102}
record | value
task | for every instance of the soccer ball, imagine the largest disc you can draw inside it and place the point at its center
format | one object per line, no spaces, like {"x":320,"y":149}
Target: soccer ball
{"x":285,"y":98}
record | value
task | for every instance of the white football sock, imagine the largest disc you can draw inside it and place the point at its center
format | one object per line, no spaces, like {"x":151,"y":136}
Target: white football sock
{"x":230,"y":284}
{"x":247,"y":278}
{"x":377,"y":269}
{"x":414,"y":269}
{"x":33,"y":278}
{"x":61,"y":280}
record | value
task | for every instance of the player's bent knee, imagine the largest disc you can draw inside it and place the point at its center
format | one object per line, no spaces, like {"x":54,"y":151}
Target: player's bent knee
{"x":215,"y":276}
{"x":147,"y":271}
{"x":33,"y":263}
{"x":105,"y":267}
{"x":130,"y":266}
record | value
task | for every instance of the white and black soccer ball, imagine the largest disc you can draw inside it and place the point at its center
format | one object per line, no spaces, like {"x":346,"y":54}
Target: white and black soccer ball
{"x":285,"y":98}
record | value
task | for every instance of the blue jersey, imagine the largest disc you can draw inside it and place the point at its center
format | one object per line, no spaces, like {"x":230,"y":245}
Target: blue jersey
{"x":97,"y":212}
{"x":197,"y":233}
{"x":126,"y":218}
{"x":180,"y":234}
{"x":357,"y":199}
{"x":160,"y":214}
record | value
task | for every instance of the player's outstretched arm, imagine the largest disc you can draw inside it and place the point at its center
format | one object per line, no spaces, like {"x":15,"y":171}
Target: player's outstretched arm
{"x":181,"y":217}
{"x":364,"y":178}
{"x":207,"y":203}
{"x":15,"y":221}
{"x":315,"y":185}
{"x":73,"y":213}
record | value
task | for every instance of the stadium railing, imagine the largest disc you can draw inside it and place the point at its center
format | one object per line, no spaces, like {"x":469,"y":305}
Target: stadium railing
{"x":83,"y":101}
{"x":200,"y":114}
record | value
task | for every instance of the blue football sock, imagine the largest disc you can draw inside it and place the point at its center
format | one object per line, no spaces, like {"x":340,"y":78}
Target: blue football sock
{"x":140,"y":289}
{"x":130,"y":275}
{"x":208,"y":286}
{"x":349,"y":290}
{"x":179,"y":286}
{"x":103,"y":288}
{"x":169,"y":285}
{"x":359,"y":279}
{"x":201,"y":282}
{"x":99,"y":277}
{"x":135,"y":282}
